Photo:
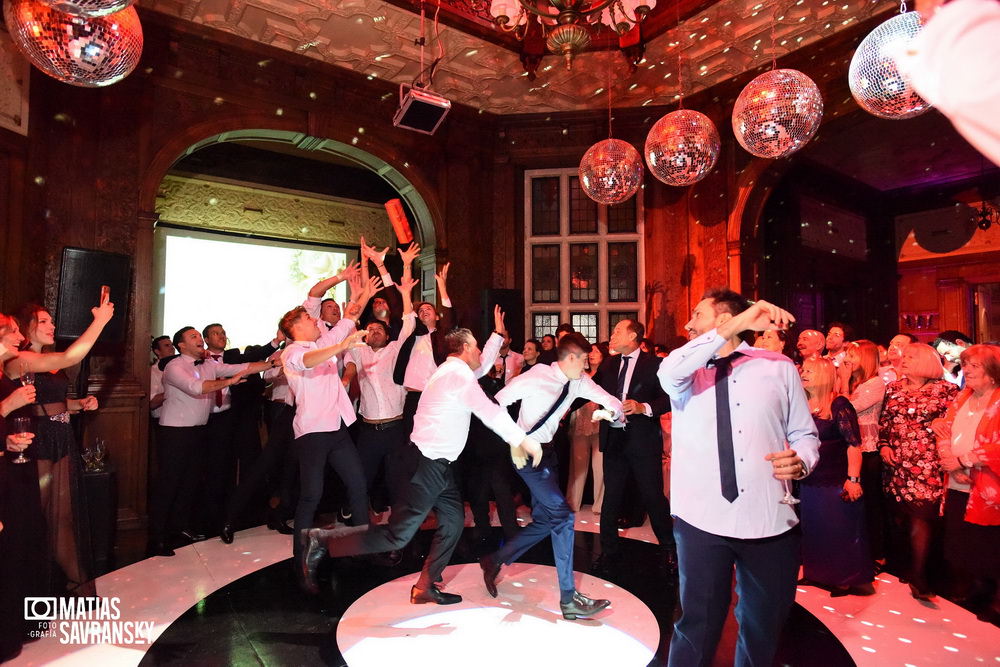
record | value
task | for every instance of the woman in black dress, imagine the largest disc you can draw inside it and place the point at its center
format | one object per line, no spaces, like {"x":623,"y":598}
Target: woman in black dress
{"x":54,"y":450}
{"x":834,"y":541}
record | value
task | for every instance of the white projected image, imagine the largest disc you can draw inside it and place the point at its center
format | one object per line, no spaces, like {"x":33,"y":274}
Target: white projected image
{"x":245,"y":286}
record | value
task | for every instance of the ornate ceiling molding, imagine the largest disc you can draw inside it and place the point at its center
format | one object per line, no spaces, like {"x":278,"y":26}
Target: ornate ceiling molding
{"x":377,"y":39}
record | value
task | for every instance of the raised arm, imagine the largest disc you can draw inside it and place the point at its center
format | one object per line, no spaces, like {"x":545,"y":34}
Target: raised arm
{"x":74,"y":354}
{"x":491,"y":350}
{"x":442,"y":284}
{"x":408,"y":256}
{"x":315,"y":357}
{"x":322,"y":287}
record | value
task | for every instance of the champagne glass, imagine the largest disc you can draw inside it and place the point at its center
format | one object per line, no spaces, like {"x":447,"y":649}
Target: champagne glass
{"x":789,"y":499}
{"x":20,"y":425}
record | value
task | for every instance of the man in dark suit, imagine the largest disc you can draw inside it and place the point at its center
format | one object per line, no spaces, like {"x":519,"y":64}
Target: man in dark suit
{"x":630,"y":375}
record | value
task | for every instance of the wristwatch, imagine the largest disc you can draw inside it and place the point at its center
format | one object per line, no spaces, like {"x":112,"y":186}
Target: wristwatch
{"x":856,"y":480}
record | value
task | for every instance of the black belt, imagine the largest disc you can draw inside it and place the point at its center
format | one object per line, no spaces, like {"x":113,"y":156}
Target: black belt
{"x":382,"y":426}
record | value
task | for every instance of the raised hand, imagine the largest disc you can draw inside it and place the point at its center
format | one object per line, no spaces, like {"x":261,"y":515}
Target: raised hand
{"x":761,"y":316}
{"x":356,"y":339}
{"x":410,"y":253}
{"x":406,"y":285}
{"x":104,"y":312}
{"x":498,"y":323}
{"x":349,"y":271}
{"x":442,"y":275}
{"x":238,"y":378}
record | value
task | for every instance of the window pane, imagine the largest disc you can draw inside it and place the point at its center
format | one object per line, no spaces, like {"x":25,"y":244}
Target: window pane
{"x":586,"y":324}
{"x":616,"y":316}
{"x":622,"y":272}
{"x":545,"y":205}
{"x":544,"y":324}
{"x":582,"y":209}
{"x":622,"y":217}
{"x":583,"y":272}
{"x":545,"y":273}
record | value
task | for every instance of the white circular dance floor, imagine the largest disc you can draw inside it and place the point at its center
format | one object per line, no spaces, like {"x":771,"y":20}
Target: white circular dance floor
{"x":523,"y":626}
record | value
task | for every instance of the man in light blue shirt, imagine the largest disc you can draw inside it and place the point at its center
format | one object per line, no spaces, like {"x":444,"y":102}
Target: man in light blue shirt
{"x":734,"y":409}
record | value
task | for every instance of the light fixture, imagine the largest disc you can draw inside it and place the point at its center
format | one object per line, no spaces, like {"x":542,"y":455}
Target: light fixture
{"x":568,"y":23}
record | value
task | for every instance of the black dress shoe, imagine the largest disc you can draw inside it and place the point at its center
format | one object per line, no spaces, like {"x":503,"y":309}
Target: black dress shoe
{"x":226,"y":535}
{"x":581,"y":606}
{"x":280,"y":526}
{"x":490,"y":571}
{"x":158,"y":549}
{"x":433,"y":594}
{"x":191,"y":536}
{"x":313,"y":552}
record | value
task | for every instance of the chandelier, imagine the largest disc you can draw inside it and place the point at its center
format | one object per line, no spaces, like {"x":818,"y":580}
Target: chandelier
{"x":568,"y":23}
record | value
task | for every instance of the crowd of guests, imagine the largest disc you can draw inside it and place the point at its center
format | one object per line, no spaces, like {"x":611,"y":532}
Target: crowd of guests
{"x":909,"y":439}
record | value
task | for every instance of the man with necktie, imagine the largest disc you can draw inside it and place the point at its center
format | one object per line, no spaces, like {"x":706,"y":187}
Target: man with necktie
{"x":734,"y":409}
{"x":440,"y":431}
{"x":635,"y":446}
{"x":546,"y":394}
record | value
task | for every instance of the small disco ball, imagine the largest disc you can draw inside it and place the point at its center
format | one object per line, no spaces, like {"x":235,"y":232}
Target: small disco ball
{"x":876,"y":82}
{"x":682,"y":147}
{"x":88,"y":7}
{"x":611,"y":171}
{"x":777,"y":113}
{"x":78,"y":50}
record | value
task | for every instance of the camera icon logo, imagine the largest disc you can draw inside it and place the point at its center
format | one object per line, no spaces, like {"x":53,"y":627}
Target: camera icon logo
{"x":40,"y":609}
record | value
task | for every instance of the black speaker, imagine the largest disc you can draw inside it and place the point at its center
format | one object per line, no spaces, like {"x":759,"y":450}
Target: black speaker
{"x":80,"y":280}
{"x":511,"y":301}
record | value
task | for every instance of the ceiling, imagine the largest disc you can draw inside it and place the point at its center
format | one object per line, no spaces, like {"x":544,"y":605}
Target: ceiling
{"x":481,"y":67}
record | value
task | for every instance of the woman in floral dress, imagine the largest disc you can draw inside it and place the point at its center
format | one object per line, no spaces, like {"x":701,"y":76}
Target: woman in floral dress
{"x":908,"y":448}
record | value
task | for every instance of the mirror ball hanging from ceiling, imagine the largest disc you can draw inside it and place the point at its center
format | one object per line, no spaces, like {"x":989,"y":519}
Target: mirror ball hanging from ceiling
{"x":777,"y":113}
{"x":611,"y":171}
{"x":88,"y":7}
{"x":78,"y":50}
{"x":682,"y":147}
{"x":876,"y":82}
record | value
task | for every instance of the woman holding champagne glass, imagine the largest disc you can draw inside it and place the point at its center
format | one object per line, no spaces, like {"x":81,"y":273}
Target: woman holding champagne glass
{"x":22,"y":525}
{"x":54,"y":449}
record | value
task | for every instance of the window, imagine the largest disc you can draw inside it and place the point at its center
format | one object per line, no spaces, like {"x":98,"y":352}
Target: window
{"x":583,"y":261}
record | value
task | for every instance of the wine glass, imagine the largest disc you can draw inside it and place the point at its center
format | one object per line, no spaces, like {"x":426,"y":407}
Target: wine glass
{"x":27,"y":378}
{"x":20,"y":425}
{"x":789,"y":499}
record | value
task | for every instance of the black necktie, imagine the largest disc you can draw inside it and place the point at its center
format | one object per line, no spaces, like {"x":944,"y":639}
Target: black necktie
{"x":621,"y":379}
{"x":724,"y":426}
{"x":555,"y":406}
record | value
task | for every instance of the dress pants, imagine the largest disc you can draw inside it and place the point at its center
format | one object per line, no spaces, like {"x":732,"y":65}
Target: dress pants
{"x":180,"y":458}
{"x":269,"y":465}
{"x":380,"y":444}
{"x":489,"y":472}
{"x":550,"y":515}
{"x":766,"y":571}
{"x":314,"y":451}
{"x":432,"y":487}
{"x":644,"y":458}
{"x":219,"y":475}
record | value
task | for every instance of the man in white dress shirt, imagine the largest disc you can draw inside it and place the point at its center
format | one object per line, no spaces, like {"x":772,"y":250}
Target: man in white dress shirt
{"x":380,"y":434}
{"x":734,"y":409}
{"x":440,"y":430}
{"x":189,"y":386}
{"x":163,"y":347}
{"x":546,"y":394}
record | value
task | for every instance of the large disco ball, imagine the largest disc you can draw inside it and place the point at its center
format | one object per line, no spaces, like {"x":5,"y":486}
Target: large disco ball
{"x":78,"y":50}
{"x":777,"y":113}
{"x":88,"y":7}
{"x":876,"y":82}
{"x":682,"y":147}
{"x":611,"y":171}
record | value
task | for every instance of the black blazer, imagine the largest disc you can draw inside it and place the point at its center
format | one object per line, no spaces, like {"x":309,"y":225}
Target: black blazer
{"x":645,"y":388}
{"x":246,"y":393}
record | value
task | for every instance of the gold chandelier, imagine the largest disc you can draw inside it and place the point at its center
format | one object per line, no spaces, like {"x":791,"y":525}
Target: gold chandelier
{"x":568,"y":30}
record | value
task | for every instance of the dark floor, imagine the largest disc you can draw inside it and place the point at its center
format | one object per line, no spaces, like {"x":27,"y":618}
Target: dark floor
{"x":263,"y":618}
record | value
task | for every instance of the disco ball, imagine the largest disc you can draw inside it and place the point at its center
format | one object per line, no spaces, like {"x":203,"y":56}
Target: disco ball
{"x":88,"y":7}
{"x":876,"y":82}
{"x":777,"y":113}
{"x":611,"y":171}
{"x":78,"y":50}
{"x":682,"y":147}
